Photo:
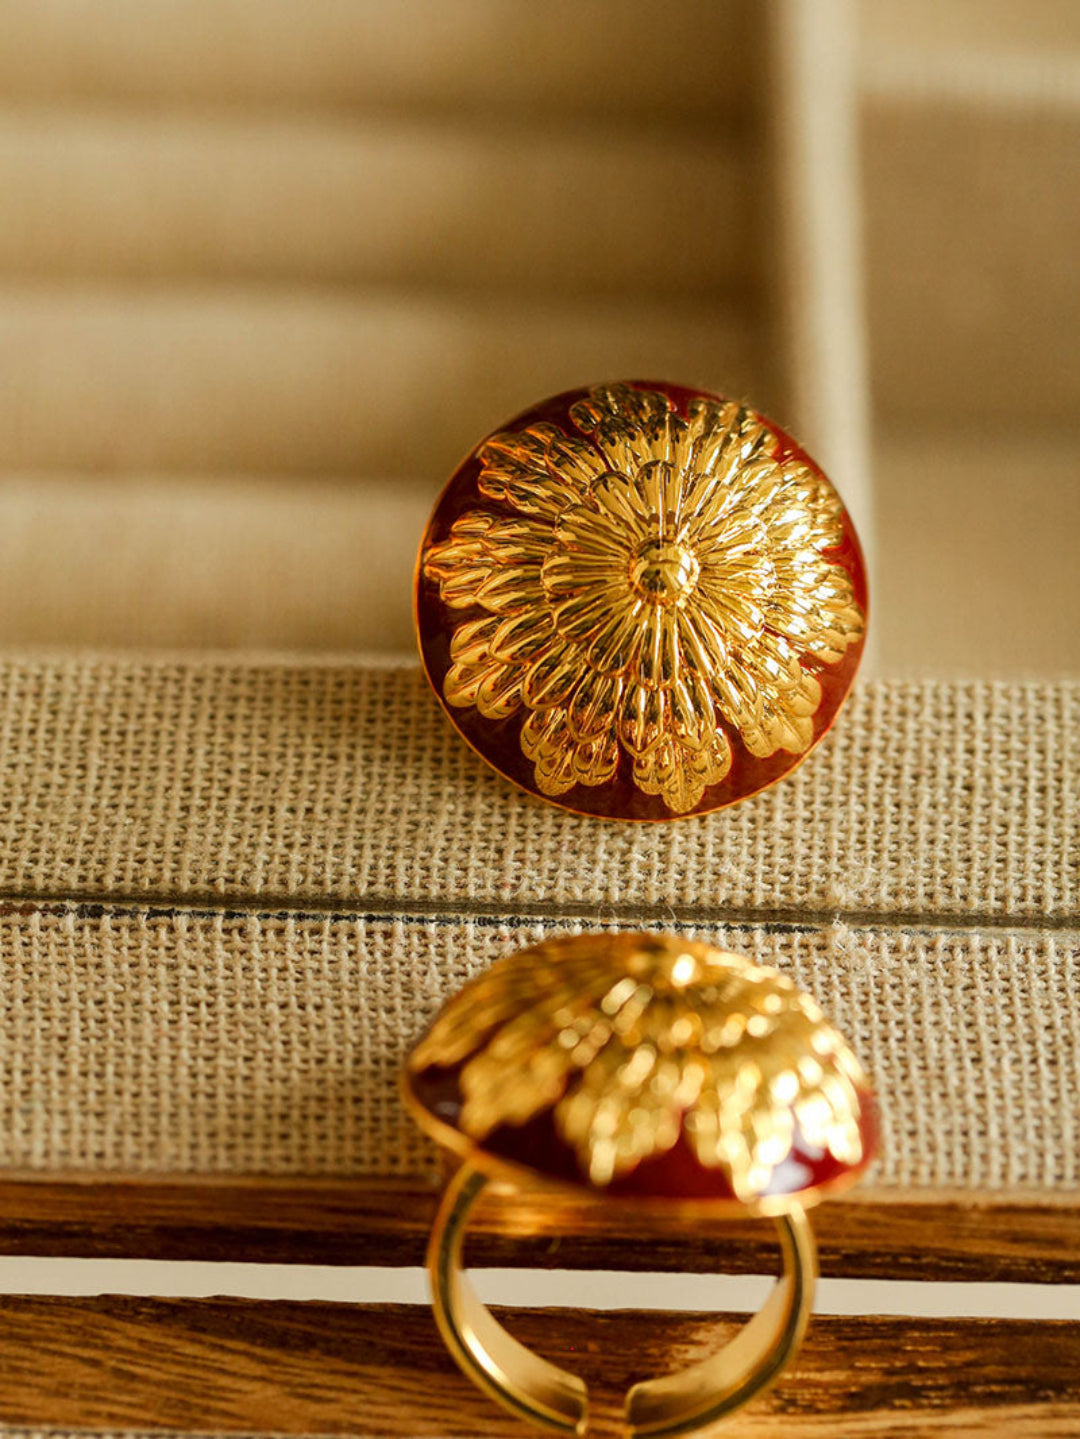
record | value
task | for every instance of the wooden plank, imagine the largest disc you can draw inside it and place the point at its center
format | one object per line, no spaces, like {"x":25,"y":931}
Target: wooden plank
{"x":240,"y":1366}
{"x":868,"y":1234}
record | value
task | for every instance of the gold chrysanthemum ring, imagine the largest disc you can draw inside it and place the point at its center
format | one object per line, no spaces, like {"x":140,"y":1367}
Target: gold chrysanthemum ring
{"x":641,"y":601}
{"x":649,"y":1071}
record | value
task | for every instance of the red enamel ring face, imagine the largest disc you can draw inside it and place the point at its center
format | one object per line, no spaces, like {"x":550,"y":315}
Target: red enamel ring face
{"x":641,"y":601}
{"x":649,"y":1068}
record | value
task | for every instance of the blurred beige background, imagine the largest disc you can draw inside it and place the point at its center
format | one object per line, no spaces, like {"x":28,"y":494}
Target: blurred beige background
{"x":267,"y":270}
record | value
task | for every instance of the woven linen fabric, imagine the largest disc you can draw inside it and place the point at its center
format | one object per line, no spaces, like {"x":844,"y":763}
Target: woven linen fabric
{"x":313,"y":784}
{"x":243,"y":1044}
{"x":233,"y":893}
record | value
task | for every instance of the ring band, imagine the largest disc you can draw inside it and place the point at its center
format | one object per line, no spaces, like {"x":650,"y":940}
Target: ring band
{"x":534,"y":1389}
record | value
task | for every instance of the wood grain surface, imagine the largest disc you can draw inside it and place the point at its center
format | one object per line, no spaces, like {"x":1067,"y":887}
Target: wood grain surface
{"x":239,"y":1365}
{"x":870,"y":1233}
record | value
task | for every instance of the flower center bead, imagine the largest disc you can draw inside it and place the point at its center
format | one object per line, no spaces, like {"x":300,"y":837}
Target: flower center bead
{"x":664,"y":571}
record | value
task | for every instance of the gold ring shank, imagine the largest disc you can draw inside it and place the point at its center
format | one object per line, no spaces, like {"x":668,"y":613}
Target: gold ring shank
{"x":536,"y":1390}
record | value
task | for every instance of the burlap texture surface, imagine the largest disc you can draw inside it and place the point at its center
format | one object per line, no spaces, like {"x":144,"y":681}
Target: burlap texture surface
{"x":319,"y":783}
{"x":234,"y":893}
{"x":244,"y":1044}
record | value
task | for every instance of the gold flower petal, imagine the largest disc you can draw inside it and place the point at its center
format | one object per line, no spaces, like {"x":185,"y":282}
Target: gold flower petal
{"x":530,"y":1070}
{"x":535,"y":1082}
{"x":784,"y":686}
{"x":783,"y":729}
{"x":594,"y":706}
{"x":573,"y":457}
{"x":566,"y":572}
{"x":458,"y":551}
{"x":739,"y":702}
{"x":735,"y":608}
{"x":477,"y":678}
{"x":736,"y":535}
{"x":776,"y":663}
{"x":596,"y":760}
{"x":612,"y":646}
{"x":459,"y":589}
{"x":579,"y":617}
{"x":749,"y":444}
{"x":551,"y":677}
{"x":804,"y":516}
{"x":711,"y":425}
{"x":805,"y":699}
{"x":661,"y":493}
{"x":459,"y":563}
{"x":554,"y":769}
{"x":510,"y":589}
{"x":542,"y":732}
{"x":817,"y":612}
{"x":718,"y":757}
{"x":462,"y":684}
{"x":657,"y":662}
{"x":499,"y":693}
{"x":624,"y":507}
{"x":473,"y":663}
{"x":594,"y":532}
{"x":681,"y":774}
{"x":517,"y":541}
{"x":703,"y":642}
{"x":523,"y":636}
{"x":826,"y":511}
{"x":828,"y":645}
{"x":471,"y":642}
{"x":513,"y":468}
{"x":629,"y":425}
{"x":644,"y":716}
{"x":763,"y":484}
{"x":693,"y":712}
{"x":617,"y":1124}
{"x":528,"y":493}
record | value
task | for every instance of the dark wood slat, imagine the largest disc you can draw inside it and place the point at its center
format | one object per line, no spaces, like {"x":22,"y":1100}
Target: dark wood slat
{"x":869,"y":1234}
{"x":238,"y":1365}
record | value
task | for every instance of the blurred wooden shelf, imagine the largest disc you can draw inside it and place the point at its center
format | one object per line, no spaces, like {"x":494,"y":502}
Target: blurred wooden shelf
{"x":237,"y":1366}
{"x":871,"y":1233}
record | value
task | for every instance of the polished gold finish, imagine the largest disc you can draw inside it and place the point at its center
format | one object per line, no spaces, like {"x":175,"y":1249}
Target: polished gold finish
{"x":657,"y":579}
{"x":632,"y":1041}
{"x":647,"y":1070}
{"x":532,"y":1388}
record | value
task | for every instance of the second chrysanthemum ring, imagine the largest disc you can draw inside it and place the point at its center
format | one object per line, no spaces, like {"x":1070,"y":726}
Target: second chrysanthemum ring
{"x":653,"y":1073}
{"x":641,"y":601}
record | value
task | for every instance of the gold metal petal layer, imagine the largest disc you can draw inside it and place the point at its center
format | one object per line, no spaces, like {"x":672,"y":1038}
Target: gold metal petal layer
{"x":631,"y":1038}
{"x":681,"y":560}
{"x":689,"y":1402}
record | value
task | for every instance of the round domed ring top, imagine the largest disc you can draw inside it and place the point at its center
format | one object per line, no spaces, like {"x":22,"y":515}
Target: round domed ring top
{"x":641,"y":601}
{"x":652,"y":1073}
